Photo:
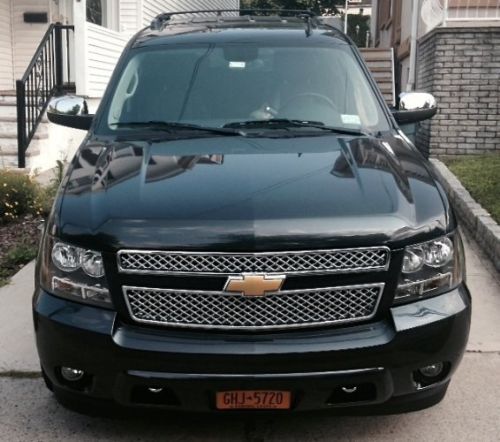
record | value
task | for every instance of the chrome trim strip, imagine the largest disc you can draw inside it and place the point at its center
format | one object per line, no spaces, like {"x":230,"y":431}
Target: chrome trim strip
{"x":380,"y":286}
{"x":172,"y":376}
{"x":296,"y":272}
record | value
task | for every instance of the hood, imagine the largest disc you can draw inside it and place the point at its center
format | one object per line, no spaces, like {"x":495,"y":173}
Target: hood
{"x":249,"y":194}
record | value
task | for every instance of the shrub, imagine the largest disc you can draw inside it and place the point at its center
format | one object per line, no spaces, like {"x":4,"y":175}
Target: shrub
{"x":21,"y":195}
{"x":18,"y":196}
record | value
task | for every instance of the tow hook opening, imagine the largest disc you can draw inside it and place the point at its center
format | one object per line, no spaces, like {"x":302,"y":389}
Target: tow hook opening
{"x":154,"y":395}
{"x":352,"y":393}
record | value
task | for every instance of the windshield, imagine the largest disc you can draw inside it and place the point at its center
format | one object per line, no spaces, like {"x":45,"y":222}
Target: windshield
{"x":217,"y":86}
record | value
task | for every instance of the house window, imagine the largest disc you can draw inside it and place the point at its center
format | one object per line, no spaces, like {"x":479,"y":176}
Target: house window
{"x":96,"y":12}
{"x":103,"y":13}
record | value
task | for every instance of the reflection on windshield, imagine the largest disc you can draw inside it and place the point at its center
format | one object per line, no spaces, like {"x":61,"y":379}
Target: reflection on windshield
{"x":213,"y":86}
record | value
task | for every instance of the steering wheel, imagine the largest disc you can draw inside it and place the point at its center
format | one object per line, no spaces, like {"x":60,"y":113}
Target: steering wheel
{"x":292,"y":102}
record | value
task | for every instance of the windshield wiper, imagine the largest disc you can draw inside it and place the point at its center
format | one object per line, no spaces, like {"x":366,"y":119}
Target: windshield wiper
{"x":284,"y":123}
{"x":170,"y":126}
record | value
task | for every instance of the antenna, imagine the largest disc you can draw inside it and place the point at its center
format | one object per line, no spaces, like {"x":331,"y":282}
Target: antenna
{"x":432,"y":13}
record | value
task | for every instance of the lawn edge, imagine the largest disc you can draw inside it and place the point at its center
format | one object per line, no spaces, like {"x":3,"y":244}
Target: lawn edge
{"x":478,"y":222}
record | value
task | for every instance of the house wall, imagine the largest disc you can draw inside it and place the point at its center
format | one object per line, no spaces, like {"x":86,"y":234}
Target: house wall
{"x":6,"y":72}
{"x":130,"y":18}
{"x":103,"y":50}
{"x":460,"y":67}
{"x":26,"y":36}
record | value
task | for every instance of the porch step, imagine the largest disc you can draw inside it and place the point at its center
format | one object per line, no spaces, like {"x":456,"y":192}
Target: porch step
{"x":11,"y":162}
{"x":8,"y":110}
{"x":7,"y":99}
{"x":39,"y":135}
{"x":8,"y":152}
{"x":380,"y":63}
{"x":8,"y":128}
{"x":8,"y":146}
{"x":13,"y":119}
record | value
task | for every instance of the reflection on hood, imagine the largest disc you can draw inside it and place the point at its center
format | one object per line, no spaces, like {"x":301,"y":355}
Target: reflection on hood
{"x":112,"y":165}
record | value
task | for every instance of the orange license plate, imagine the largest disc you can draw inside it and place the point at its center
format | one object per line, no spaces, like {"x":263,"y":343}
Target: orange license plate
{"x":253,"y":399}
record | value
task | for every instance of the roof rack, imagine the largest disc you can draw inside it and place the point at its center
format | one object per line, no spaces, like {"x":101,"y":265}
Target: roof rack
{"x":162,"y":19}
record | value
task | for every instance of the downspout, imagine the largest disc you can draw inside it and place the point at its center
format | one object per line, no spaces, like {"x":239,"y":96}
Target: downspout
{"x":374,"y":22}
{"x":345,"y":16}
{"x":81,"y":47}
{"x":413,"y":46}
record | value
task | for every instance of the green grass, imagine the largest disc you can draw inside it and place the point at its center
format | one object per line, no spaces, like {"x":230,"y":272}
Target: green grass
{"x":480,"y":175}
{"x":15,"y":258}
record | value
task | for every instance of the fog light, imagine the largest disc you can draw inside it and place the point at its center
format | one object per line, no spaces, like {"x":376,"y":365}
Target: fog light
{"x":72,"y":374}
{"x":432,"y":371}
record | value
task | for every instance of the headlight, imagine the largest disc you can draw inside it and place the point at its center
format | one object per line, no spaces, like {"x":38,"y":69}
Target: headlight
{"x":74,"y":273}
{"x":92,"y":264}
{"x":431,"y":268}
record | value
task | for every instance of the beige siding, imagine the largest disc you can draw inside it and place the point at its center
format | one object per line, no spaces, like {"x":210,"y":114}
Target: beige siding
{"x":104,"y":47}
{"x":26,"y":36}
{"x":6,"y":73}
{"x":129,"y":20}
{"x":151,"y":8}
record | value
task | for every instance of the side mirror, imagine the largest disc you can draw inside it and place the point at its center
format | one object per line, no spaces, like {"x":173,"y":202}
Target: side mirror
{"x":70,"y":111}
{"x":415,"y":107}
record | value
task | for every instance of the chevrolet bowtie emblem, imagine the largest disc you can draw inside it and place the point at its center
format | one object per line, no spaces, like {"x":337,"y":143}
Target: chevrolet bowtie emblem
{"x":254,"y":285}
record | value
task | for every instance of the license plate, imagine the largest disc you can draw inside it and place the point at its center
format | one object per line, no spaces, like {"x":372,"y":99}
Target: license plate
{"x":253,"y":399}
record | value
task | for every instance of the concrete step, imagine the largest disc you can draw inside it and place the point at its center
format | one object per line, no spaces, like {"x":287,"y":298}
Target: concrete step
{"x":8,"y":147}
{"x":7,"y":99}
{"x":5,"y":136}
{"x":13,"y":119}
{"x":11,"y":162}
{"x":8,"y":110}
{"x":8,"y":129}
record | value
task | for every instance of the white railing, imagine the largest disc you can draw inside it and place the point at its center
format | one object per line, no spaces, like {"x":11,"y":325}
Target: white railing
{"x":471,"y":10}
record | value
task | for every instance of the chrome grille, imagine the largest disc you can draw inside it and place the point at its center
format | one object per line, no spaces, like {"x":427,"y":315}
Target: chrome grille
{"x":319,"y":261}
{"x":222,"y":310}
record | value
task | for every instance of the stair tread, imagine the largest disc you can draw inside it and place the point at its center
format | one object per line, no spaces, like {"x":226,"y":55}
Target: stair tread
{"x":13,"y":135}
{"x":9,"y":152}
{"x":13,"y":119}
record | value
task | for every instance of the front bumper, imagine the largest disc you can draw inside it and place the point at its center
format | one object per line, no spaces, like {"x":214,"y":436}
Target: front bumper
{"x":123,"y":361}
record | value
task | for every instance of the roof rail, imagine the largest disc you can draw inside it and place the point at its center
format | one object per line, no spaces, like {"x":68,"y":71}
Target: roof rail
{"x":162,"y":19}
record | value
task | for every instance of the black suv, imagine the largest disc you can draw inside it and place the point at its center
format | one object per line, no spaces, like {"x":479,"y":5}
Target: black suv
{"x":247,"y":227}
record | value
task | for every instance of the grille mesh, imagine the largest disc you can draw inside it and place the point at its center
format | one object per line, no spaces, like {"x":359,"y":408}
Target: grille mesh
{"x":198,"y":309}
{"x":341,"y":260}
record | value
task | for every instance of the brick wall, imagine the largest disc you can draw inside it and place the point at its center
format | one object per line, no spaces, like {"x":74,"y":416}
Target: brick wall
{"x":461,"y":68}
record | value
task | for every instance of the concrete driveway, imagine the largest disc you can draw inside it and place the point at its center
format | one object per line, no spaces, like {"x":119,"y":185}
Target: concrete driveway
{"x":470,"y":411}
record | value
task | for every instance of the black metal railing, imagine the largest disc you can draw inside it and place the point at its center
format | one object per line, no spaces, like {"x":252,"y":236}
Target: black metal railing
{"x":48,"y":74}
